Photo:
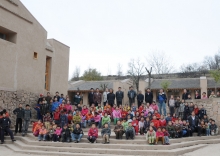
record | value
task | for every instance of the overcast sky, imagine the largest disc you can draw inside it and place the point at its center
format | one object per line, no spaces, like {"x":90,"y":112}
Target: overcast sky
{"x":103,"y":33}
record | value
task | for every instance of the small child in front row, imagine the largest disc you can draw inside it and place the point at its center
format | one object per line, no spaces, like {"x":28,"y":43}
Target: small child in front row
{"x":207,"y":129}
{"x":166,"y":136}
{"x":159,"y":136}
{"x":151,"y":136}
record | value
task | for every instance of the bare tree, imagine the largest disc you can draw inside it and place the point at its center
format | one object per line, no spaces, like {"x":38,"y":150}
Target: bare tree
{"x":160,"y":62}
{"x":76,"y":74}
{"x":136,"y":70}
{"x":119,"y":70}
{"x":149,"y":76}
{"x":189,"y":68}
{"x":212,"y":62}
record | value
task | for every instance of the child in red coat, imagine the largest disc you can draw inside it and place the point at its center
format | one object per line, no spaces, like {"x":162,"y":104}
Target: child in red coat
{"x":157,"y":114}
{"x":135,"y":125}
{"x":159,"y":136}
{"x":162,"y":121}
{"x":155,"y":121}
{"x":93,"y":133}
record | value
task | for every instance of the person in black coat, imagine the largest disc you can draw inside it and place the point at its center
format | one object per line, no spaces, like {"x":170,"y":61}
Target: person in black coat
{"x":185,"y":95}
{"x":140,"y":98}
{"x":57,"y":96}
{"x":91,"y":97}
{"x":66,"y":134}
{"x":111,"y":97}
{"x":131,"y":95}
{"x":194,"y":123}
{"x":119,"y":96}
{"x":5,"y":123}
{"x":19,"y":112}
{"x":149,"y":96}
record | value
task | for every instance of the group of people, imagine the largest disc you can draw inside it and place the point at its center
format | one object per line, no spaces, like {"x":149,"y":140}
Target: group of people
{"x":61,"y":120}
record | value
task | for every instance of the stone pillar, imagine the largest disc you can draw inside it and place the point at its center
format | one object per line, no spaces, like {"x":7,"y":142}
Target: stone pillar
{"x":203,"y":84}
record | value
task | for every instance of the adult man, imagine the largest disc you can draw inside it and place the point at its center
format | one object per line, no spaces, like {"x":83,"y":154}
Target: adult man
{"x":140,"y":98}
{"x":105,"y":93}
{"x":19,"y":112}
{"x":119,"y":130}
{"x":148,"y":96}
{"x":194,"y":124}
{"x":77,"y":99}
{"x":57,"y":96}
{"x":131,"y":95}
{"x":91,"y":97}
{"x":27,"y":117}
{"x":185,"y":95}
{"x":119,"y":96}
{"x":77,"y":134}
{"x":111,"y":97}
{"x":48,"y":97}
{"x":5,"y":123}
{"x":97,"y":97}
{"x":162,"y":102}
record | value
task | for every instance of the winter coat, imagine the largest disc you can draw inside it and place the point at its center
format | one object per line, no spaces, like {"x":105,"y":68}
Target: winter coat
{"x":56,"y":115}
{"x":105,"y":96}
{"x":63,"y":119}
{"x":43,"y":131}
{"x":162,"y":97}
{"x":19,"y":112}
{"x":77,"y":119}
{"x":5,"y":122}
{"x":97,"y":98}
{"x":55,"y":106}
{"x":119,"y":95}
{"x":149,"y":97}
{"x":116,"y":114}
{"x":27,"y":114}
{"x":131,"y":94}
{"x":105,"y":120}
{"x":66,"y":132}
{"x":91,"y":97}
{"x":159,"y":134}
{"x":84,"y":111}
{"x":118,"y":127}
{"x":77,"y":131}
{"x":97,"y":118}
{"x":140,"y":97}
{"x":58,"y":131}
{"x":93,"y":132}
{"x":106,"y":131}
{"x":182,"y":106}
{"x":77,"y":99}
{"x":111,"y":98}
{"x":150,"y":134}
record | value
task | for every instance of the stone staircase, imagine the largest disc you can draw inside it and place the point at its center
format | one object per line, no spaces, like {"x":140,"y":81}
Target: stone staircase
{"x":136,"y":147}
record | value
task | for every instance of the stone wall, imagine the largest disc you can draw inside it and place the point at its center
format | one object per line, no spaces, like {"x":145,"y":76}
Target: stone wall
{"x":212,"y":107}
{"x":9,"y":100}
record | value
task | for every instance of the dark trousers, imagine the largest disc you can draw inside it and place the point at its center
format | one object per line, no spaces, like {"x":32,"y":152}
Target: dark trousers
{"x":56,"y":137}
{"x":65,"y":138}
{"x":129,"y":134}
{"x":119,"y":103}
{"x":7,"y":130}
{"x":172,"y":134}
{"x":172,"y":111}
{"x":139,"y":103}
{"x":203,"y":131}
{"x":131,"y":100}
{"x":196,"y":129}
{"x":92,"y":140}
{"x":179,"y":134}
{"x":104,"y":103}
{"x":119,"y":134}
{"x":142,"y":130}
{"x":18,"y":122}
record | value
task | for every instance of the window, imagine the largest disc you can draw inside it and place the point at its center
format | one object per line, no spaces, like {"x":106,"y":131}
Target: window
{"x":35,"y":55}
{"x":8,"y":35}
{"x":48,"y":73}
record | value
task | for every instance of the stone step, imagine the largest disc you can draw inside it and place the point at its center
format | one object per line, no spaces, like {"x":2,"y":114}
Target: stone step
{"x":112,"y":146}
{"x":67,"y":150}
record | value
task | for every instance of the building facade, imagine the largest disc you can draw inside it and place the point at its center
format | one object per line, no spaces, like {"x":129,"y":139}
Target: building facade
{"x":29,"y":61}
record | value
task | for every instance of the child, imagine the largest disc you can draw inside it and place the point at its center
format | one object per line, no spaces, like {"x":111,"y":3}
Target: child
{"x":203,"y":128}
{"x":116,"y":115}
{"x":171,"y":105}
{"x":159,"y":136}
{"x":141,"y":126}
{"x":171,"y":130}
{"x":178,"y":129}
{"x":185,"y":129}
{"x":84,"y":110}
{"x":202,"y":112}
{"x":151,"y":136}
{"x":106,"y":132}
{"x":157,"y":114}
{"x":106,"y":119}
{"x":213,"y":128}
{"x":97,"y":119}
{"x":66,"y":134}
{"x":89,"y":118}
{"x":56,"y":116}
{"x":135,"y":125}
{"x":130,"y":131}
{"x":51,"y":132}
{"x":166,"y":136}
{"x":207,"y":129}
{"x":196,"y":110}
{"x":42,"y":134}
{"x":155,"y":121}
{"x":127,"y":108}
{"x":177,"y":105}
{"x":37,"y":108}
{"x":168,"y":118}
{"x":63,"y":119}
{"x":133,"y":108}
{"x":77,"y":118}
{"x":37,"y":128}
{"x":162,"y":121}
{"x":57,"y":134}
{"x":124,"y":113}
{"x":181,"y":109}
{"x":154,"y":106}
{"x":146,"y":124}
{"x":93,"y":134}
{"x":47,"y":120}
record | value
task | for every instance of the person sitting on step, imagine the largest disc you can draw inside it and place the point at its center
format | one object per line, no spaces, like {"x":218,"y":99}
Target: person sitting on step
{"x":42,"y":134}
{"x":130,"y":131}
{"x":159,"y":136}
{"x":57,"y":134}
{"x":151,"y":135}
{"x":93,"y":134}
{"x":77,"y":134}
{"x":106,"y":132}
{"x":213,"y":128}
{"x":166,"y":136}
{"x":65,"y":134}
{"x":119,"y":130}
{"x":171,"y":130}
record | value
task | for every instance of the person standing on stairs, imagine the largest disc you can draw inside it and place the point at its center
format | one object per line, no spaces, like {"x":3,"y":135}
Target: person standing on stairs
{"x":27,"y":117}
{"x":19,"y":112}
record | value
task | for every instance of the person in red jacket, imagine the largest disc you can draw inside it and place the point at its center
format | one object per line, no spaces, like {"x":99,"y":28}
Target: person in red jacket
{"x":135,"y":125}
{"x":174,"y":118}
{"x":157,"y":114}
{"x":162,"y":121}
{"x":155,"y":121}
{"x":124,"y":114}
{"x":141,"y":108}
{"x":56,"y":116}
{"x":93,"y":134}
{"x":196,"y":110}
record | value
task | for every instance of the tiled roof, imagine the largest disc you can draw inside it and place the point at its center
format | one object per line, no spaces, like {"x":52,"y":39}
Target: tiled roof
{"x":177,"y":83}
{"x":212,"y":84}
{"x":86,"y":85}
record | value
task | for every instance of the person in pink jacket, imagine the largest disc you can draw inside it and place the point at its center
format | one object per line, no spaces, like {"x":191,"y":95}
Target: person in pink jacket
{"x":85,"y":110}
{"x":68,"y":107}
{"x":116,"y":115}
{"x":93,"y":133}
{"x":42,"y":133}
{"x":159,"y":136}
{"x":97,"y":119}
{"x":57,"y":134}
{"x":154,"y":106}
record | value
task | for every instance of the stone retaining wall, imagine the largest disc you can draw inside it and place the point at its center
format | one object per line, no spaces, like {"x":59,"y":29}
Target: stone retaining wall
{"x":9,"y":100}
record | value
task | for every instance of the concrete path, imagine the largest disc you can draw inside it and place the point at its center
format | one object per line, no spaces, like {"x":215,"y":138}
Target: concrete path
{"x":210,"y":150}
